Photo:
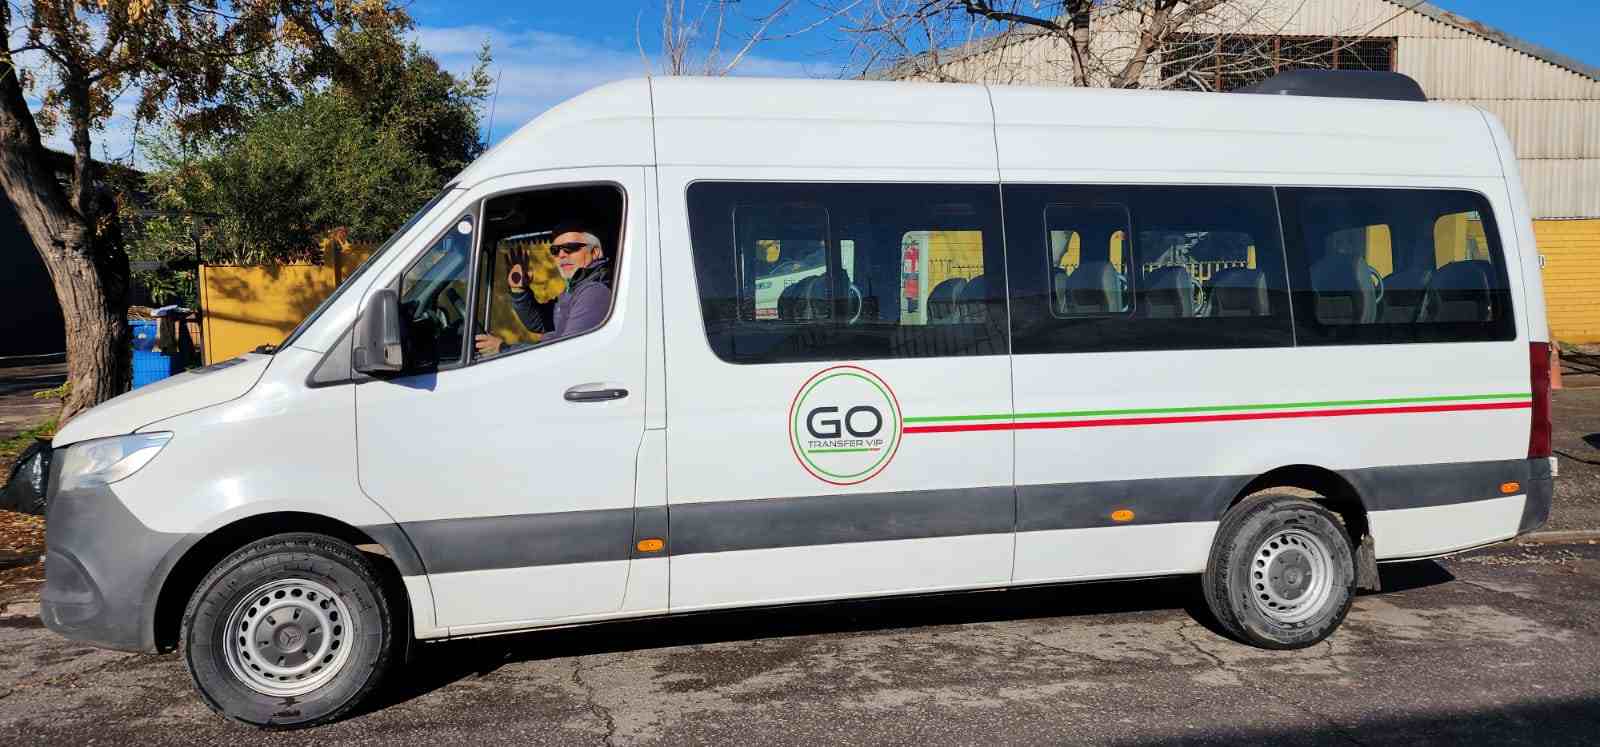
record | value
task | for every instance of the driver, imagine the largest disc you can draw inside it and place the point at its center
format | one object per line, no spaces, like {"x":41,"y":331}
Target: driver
{"x":581,"y":307}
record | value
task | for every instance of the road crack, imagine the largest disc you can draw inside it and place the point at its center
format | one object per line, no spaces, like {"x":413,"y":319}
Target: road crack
{"x":1244,"y":677}
{"x":592,"y":702}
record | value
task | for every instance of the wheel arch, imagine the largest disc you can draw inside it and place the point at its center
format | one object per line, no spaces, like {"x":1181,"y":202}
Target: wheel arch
{"x":389,"y":551}
{"x":1327,"y":486}
{"x":1331,"y":490}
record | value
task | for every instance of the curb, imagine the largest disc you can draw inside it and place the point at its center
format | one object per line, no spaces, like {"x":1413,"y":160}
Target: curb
{"x":1564,"y":537}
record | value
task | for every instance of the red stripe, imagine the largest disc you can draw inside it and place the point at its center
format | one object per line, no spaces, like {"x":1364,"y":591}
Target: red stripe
{"x":1109,"y":422}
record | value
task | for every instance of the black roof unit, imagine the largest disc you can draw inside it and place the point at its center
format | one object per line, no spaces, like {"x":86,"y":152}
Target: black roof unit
{"x":1341,"y":84}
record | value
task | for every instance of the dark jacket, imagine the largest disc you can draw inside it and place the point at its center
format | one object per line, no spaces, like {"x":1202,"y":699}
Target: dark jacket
{"x":579,"y":308}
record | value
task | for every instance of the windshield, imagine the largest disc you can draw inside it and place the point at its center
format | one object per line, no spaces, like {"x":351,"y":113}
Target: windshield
{"x":370,"y":261}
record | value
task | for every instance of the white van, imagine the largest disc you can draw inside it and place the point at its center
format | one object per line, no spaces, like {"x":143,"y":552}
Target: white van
{"x":1268,"y":340}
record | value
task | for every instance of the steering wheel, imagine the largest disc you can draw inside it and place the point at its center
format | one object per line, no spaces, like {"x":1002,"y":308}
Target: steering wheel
{"x":857,"y":303}
{"x":1377,"y":281}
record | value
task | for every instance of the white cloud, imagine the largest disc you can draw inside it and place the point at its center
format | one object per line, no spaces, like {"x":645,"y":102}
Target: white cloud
{"x":539,"y":69}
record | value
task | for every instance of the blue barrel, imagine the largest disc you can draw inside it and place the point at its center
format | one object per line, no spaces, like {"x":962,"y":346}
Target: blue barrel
{"x":149,"y":364}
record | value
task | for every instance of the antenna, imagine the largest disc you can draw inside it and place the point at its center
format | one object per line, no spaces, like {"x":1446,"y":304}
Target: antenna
{"x":492,"y":103}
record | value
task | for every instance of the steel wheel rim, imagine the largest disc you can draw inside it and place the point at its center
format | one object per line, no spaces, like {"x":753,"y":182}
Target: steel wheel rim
{"x":1291,"y":576}
{"x":288,"y":637}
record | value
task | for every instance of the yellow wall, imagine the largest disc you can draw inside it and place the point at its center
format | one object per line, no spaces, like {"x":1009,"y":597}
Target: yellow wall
{"x":243,"y":307}
{"x":1571,"y":250}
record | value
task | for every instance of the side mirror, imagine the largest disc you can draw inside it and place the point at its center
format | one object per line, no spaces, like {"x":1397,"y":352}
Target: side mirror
{"x":378,"y":345}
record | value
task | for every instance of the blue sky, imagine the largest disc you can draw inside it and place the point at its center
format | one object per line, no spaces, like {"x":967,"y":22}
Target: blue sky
{"x":547,"y":51}
{"x":558,"y":50}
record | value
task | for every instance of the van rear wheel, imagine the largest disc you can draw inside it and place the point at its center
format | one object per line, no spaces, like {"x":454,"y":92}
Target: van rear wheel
{"x":290,"y":631}
{"x":1281,"y":573}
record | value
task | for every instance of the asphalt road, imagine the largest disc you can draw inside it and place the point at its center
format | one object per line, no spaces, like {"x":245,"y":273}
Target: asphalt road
{"x":1575,"y":415}
{"x":1497,"y":646}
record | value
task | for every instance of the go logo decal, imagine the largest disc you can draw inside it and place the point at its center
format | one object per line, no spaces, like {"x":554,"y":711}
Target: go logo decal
{"x":844,"y":425}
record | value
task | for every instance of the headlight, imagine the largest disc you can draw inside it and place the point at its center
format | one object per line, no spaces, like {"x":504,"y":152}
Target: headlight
{"x":106,"y":460}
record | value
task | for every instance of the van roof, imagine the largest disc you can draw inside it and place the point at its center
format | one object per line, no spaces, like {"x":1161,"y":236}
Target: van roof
{"x":946,"y":131}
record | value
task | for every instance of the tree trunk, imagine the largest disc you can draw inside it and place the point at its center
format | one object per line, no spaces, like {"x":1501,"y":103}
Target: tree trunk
{"x":86,"y":263}
{"x":91,"y":283}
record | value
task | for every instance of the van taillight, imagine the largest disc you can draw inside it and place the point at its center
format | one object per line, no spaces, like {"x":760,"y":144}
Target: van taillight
{"x":1539,"y":431}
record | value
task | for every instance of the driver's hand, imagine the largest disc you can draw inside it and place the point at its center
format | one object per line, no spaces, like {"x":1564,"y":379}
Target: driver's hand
{"x":517,"y":277}
{"x":487,"y":344}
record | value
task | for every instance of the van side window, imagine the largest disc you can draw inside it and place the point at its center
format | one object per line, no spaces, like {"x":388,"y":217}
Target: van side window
{"x":816,"y":272}
{"x":1117,"y":268}
{"x":549,"y":266}
{"x":1375,"y":266}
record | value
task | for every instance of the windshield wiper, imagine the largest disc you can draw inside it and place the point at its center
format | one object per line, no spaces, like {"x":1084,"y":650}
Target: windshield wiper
{"x":265,"y":349}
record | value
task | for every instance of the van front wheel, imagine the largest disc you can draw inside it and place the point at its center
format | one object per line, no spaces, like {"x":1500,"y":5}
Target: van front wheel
{"x":1281,"y":573}
{"x":290,"y":631}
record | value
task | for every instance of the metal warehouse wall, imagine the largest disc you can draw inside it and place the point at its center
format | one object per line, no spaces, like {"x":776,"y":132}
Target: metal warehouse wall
{"x":1551,"y":112}
{"x":1571,"y":250}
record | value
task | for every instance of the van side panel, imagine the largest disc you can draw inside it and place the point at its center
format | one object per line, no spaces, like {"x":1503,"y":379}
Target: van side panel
{"x":1172,"y":434}
{"x":1519,"y":239}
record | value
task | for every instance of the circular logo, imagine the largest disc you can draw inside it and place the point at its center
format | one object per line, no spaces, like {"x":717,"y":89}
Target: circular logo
{"x":844,"y":425}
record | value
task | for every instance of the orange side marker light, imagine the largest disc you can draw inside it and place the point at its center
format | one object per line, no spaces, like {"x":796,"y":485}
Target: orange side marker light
{"x":1507,"y":488}
{"x":1122,"y":514}
{"x":651,"y":545}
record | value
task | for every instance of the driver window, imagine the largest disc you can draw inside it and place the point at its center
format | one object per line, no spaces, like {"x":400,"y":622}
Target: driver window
{"x":550,"y":258}
{"x":433,"y":300}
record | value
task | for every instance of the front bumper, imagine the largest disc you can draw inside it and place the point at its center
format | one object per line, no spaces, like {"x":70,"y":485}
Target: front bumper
{"x":103,"y":569}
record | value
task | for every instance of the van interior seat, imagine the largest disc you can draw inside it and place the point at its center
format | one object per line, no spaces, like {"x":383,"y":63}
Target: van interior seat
{"x":1238,"y":291}
{"x":1460,"y":292}
{"x":1168,"y":293}
{"x":819,"y":297}
{"x":789,"y":300}
{"x":1095,"y":288}
{"x":1402,"y":295}
{"x":1344,"y":290}
{"x":943,"y":299}
{"x":973,"y":300}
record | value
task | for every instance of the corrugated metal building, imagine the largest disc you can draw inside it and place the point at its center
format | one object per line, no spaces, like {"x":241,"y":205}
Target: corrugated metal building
{"x":1550,"y":103}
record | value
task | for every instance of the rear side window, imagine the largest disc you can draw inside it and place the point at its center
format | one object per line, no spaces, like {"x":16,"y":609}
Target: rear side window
{"x":1116,"y":268}
{"x":816,"y":272}
{"x":1374,"y":266}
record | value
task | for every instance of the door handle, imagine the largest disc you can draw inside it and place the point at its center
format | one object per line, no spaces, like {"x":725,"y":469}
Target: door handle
{"x":594,"y":393}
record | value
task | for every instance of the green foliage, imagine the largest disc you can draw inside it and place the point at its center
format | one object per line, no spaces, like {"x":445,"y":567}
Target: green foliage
{"x":58,"y":392}
{"x":14,"y":445}
{"x":356,"y":153}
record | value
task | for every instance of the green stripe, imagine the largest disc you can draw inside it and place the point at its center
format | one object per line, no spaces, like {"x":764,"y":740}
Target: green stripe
{"x":1218,"y":408}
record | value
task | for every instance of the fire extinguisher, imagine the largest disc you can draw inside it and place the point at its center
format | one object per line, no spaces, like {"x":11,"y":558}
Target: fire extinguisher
{"x":911,"y":273}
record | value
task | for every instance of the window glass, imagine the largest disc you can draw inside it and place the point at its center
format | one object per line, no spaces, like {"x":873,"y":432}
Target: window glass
{"x":1092,"y":282}
{"x":807,"y":272}
{"x":1375,"y":266}
{"x":433,"y":300}
{"x":1203,"y":268}
{"x":550,"y":258}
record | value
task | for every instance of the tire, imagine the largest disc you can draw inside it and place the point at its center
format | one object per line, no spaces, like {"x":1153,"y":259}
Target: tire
{"x":317,"y":624}
{"x":1281,"y":573}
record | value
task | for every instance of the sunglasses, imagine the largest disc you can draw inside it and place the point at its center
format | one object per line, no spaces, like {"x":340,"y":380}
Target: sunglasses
{"x":557,"y":250}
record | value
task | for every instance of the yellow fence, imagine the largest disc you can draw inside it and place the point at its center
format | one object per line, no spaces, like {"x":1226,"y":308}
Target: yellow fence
{"x":1571,"y":250}
{"x":243,"y":307}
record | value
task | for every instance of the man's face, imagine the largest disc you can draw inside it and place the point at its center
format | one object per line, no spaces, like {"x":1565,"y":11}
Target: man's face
{"x":569,"y":257}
